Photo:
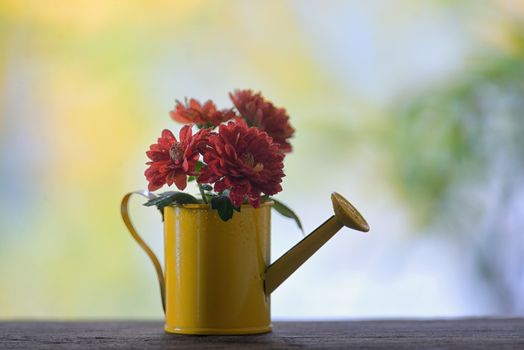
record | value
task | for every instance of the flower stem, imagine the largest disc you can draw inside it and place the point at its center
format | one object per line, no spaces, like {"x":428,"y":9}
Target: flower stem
{"x":202,"y":193}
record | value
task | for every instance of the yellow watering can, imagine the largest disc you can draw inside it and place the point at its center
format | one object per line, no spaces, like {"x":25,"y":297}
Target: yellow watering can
{"x":218,"y":277}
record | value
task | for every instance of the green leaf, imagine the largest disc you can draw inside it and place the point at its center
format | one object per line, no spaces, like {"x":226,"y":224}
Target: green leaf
{"x":224,"y":207}
{"x":198,"y":166}
{"x":207,"y":187}
{"x":171,"y":197}
{"x":284,"y":210}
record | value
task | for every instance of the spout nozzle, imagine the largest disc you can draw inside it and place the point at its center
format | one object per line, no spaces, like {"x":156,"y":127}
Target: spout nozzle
{"x":347,"y":214}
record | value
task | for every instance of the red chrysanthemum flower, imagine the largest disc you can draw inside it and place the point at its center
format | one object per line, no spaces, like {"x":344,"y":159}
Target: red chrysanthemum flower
{"x":173,"y":160}
{"x":244,"y":160}
{"x":265,"y":116}
{"x":206,"y":115}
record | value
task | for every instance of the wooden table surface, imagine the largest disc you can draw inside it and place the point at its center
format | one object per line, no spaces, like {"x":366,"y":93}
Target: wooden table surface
{"x":487,"y":333}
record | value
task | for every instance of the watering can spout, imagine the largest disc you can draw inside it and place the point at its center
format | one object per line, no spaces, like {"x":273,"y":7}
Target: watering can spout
{"x":345,"y":215}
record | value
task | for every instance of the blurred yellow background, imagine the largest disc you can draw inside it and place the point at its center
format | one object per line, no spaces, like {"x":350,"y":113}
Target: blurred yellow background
{"x":384,"y":96}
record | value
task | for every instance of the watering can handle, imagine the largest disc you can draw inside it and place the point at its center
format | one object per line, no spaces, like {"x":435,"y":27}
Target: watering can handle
{"x":124,"y":210}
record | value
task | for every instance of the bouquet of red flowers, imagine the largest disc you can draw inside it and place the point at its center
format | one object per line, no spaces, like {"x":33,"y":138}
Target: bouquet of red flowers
{"x":236,"y":157}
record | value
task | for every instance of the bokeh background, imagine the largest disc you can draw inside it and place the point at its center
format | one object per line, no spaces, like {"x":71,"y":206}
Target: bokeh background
{"x":414,"y":110}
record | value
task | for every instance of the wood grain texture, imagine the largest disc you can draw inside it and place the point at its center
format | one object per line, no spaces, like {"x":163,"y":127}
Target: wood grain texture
{"x":392,"y":334}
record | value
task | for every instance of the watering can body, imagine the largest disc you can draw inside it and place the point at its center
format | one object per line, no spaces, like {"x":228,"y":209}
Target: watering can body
{"x":218,"y":277}
{"x":214,"y":270}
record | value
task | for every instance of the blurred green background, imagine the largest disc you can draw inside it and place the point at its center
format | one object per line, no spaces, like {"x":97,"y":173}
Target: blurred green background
{"x":413,"y":110}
